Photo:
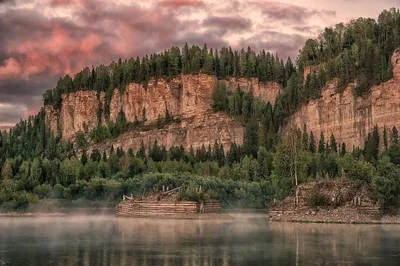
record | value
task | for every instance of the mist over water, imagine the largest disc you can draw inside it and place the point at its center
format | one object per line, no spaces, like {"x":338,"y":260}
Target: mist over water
{"x":247,"y":240}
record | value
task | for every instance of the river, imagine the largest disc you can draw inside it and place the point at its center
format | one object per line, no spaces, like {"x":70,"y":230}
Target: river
{"x":247,"y":240}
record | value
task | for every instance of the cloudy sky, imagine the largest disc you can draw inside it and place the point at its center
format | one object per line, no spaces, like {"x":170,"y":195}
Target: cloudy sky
{"x":41,"y":40}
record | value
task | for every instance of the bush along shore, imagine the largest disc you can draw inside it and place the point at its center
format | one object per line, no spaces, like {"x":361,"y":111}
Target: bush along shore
{"x":332,"y":201}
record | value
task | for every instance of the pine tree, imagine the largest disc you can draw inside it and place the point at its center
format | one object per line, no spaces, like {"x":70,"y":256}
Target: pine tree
{"x":333,"y":144}
{"x":321,"y":144}
{"x":385,"y":139}
{"x":395,"y":135}
{"x":312,"y":147}
{"x":304,"y":139}
{"x":343,"y":149}
{"x":84,"y":158}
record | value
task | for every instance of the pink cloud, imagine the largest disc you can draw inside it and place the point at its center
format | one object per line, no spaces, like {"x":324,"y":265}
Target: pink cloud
{"x":182,"y":3}
{"x":10,"y":69}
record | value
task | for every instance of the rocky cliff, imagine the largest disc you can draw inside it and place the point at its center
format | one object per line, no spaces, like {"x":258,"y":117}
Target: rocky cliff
{"x":187,"y":98}
{"x":264,"y":91}
{"x":351,"y":118}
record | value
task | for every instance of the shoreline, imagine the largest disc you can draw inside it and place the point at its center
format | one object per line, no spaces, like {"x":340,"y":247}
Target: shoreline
{"x":202,"y":216}
{"x":341,"y":215}
{"x":32,"y":214}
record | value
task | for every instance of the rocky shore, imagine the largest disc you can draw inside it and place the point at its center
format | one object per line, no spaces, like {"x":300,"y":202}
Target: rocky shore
{"x":336,"y":215}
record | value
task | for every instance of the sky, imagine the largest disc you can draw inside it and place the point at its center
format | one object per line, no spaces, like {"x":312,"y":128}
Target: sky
{"x":41,"y":40}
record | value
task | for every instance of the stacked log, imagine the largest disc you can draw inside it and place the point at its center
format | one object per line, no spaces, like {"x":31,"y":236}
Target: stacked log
{"x":212,"y":207}
{"x":143,"y":208}
{"x":132,"y":208}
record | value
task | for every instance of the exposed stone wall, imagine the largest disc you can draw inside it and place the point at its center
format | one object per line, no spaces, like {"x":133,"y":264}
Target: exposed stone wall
{"x":79,"y":112}
{"x":158,"y":97}
{"x":52,"y":117}
{"x":351,"y":118}
{"x":264,"y":91}
{"x":187,"y":98}
{"x":203,"y":129}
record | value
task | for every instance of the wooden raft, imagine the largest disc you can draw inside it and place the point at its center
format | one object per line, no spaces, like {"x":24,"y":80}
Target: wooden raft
{"x":131,"y":208}
{"x":163,"y":204}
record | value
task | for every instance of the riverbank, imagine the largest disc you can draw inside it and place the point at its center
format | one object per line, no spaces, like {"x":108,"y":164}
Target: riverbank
{"x":203,"y":216}
{"x":344,"y":215}
{"x":33,"y":214}
{"x":196,"y":216}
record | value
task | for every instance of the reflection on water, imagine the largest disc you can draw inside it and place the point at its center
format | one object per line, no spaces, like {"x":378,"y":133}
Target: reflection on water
{"x":247,"y":240}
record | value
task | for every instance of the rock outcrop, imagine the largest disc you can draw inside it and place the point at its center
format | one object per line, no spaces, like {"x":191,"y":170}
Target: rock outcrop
{"x":312,"y":69}
{"x":351,"y":118}
{"x":267,"y":92}
{"x":139,"y":103}
{"x":186,"y":98}
{"x":204,"y":129}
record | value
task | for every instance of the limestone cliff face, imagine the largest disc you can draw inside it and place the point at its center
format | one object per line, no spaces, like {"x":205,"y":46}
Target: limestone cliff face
{"x":351,"y":118}
{"x":195,"y":131}
{"x":396,"y":65}
{"x":183,"y":96}
{"x":51,"y":117}
{"x":264,"y":91}
{"x":138,"y":102}
{"x":310,"y":69}
{"x":187,"y":98}
{"x":79,"y":112}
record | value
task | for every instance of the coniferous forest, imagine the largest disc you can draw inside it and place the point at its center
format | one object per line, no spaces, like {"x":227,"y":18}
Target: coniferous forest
{"x":36,"y":164}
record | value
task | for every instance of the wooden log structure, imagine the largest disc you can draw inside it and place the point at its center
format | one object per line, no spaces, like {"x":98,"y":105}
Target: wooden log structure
{"x":163,"y":204}
{"x":132,"y":208}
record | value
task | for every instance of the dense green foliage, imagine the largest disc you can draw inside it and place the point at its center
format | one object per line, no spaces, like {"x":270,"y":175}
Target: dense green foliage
{"x":35,"y":164}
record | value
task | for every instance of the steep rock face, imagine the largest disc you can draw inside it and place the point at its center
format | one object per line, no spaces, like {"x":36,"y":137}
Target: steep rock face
{"x":148,"y":103}
{"x":183,"y":96}
{"x":187,"y":98}
{"x":205,"y":129}
{"x":351,"y":118}
{"x":79,"y":112}
{"x":51,"y":117}
{"x":265,"y":91}
{"x":310,"y":69}
{"x":396,"y":64}
{"x":197,"y":93}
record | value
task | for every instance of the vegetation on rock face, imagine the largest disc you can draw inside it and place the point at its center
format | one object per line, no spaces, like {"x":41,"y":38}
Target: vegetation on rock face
{"x":36,"y":164}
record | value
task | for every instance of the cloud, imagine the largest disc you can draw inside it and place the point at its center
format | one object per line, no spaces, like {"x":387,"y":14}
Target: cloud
{"x":278,"y":11}
{"x":176,"y":4}
{"x":284,"y":44}
{"x":307,"y":29}
{"x":228,"y":23}
{"x":9,"y":113}
{"x":3,"y":2}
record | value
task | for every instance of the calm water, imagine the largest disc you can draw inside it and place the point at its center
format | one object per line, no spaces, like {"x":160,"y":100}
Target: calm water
{"x":248,"y":240}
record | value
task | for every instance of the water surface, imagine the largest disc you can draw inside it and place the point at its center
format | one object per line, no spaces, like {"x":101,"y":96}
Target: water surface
{"x":247,"y":240}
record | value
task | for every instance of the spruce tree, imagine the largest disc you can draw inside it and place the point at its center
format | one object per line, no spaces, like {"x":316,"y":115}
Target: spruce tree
{"x":321,"y":144}
{"x":312,"y":146}
{"x":333,"y":144}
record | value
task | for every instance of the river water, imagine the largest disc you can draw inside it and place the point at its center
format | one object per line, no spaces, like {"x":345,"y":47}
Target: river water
{"x":247,"y":240}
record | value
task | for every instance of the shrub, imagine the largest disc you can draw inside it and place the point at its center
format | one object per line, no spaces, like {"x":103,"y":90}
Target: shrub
{"x":43,"y":191}
{"x":317,"y":199}
{"x":57,"y":191}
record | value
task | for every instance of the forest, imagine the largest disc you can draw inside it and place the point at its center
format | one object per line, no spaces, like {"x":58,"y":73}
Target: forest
{"x":36,"y":164}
